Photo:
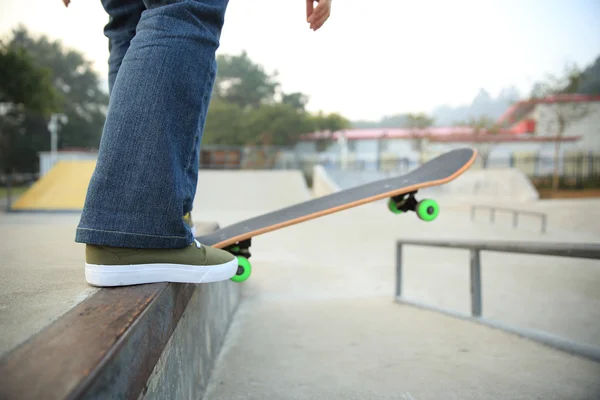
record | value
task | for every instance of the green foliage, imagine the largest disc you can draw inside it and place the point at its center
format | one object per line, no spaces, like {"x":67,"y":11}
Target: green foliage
{"x":24,"y":84}
{"x":417,"y":121}
{"x":242,"y":82}
{"x":25,"y":90}
{"x":248,"y":108}
{"x":84,"y":103}
{"x":330,"y":122}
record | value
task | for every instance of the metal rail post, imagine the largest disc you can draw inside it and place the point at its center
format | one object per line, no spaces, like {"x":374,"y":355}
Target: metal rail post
{"x":475,"y":283}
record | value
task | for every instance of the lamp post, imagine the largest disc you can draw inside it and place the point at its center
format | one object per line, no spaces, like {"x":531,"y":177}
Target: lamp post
{"x":53,"y":128}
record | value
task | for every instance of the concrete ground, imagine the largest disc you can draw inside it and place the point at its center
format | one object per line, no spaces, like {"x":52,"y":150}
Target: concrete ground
{"x":42,"y":273}
{"x":42,"y":267}
{"x":318,"y":318}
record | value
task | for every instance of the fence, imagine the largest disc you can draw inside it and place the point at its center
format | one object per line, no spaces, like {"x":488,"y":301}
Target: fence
{"x":515,"y":215}
{"x":584,"y":250}
{"x":576,"y":171}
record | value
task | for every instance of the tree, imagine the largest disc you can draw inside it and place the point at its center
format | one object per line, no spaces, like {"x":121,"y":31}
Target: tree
{"x":248,"y":108}
{"x":225,"y":124}
{"x":296,"y":100}
{"x":240,"y":81}
{"x":277,"y":124}
{"x":332,"y":122}
{"x":418,"y":122}
{"x":84,"y":102}
{"x":555,"y":116}
{"x":25,"y":89}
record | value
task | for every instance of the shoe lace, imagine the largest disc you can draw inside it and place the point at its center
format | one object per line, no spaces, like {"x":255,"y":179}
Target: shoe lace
{"x":198,"y":244}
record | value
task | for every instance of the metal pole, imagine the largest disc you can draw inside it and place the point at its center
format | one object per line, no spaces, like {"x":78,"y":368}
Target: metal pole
{"x":398,"y":269}
{"x":475,"y":283}
{"x":543,"y":223}
{"x":492,"y":214}
{"x":515,"y":219}
{"x":472,"y":213}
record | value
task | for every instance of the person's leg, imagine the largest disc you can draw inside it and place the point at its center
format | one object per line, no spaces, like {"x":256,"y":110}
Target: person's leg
{"x":124,"y":16}
{"x":145,"y":177}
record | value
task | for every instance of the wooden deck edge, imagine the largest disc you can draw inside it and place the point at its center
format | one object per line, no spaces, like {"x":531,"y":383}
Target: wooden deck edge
{"x":105,"y":347}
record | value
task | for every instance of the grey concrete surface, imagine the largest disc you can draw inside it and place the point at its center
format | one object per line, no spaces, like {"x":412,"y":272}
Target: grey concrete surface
{"x":42,"y":273}
{"x":42,"y":267}
{"x":183,"y":370}
{"x":249,"y":190}
{"x":373,"y":349}
{"x":318,"y":318}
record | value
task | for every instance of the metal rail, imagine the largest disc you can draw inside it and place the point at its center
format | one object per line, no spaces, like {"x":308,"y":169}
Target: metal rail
{"x":515,"y":215}
{"x":574,"y":250}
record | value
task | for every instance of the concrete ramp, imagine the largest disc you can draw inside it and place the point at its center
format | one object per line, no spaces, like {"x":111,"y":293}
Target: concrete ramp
{"x":249,"y":190}
{"x":493,"y":184}
{"x":63,"y":188}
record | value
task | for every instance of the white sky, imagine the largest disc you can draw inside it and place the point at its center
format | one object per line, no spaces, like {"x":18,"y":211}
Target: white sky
{"x":373,"y":57}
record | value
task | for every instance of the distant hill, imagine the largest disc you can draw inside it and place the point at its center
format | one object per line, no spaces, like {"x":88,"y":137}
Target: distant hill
{"x":482,"y":104}
{"x":590,"y":79}
{"x":485,"y":105}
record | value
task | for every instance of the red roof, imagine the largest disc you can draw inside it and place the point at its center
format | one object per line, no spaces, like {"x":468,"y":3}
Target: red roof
{"x":521,"y":108}
{"x":503,"y":138}
{"x":514,"y":126}
{"x":394,"y":133}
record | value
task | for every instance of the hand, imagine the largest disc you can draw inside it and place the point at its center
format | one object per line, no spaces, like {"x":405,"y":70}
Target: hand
{"x":316,"y":17}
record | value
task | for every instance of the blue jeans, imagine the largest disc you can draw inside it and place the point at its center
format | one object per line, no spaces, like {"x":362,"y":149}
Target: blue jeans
{"x":162,"y":70}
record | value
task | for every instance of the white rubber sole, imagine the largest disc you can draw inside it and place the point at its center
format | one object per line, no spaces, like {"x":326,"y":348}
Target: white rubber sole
{"x":125,"y":275}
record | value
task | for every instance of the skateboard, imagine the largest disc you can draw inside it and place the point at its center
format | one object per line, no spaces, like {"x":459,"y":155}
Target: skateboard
{"x":400,"y":190}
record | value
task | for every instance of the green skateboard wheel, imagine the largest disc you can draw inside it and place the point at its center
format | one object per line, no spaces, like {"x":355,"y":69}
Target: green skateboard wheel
{"x":428,"y":210}
{"x":244,"y":270}
{"x":393,"y":207}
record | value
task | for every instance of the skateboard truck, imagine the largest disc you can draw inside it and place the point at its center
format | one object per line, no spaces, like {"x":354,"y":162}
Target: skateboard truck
{"x":241,"y":250}
{"x":426,"y":209}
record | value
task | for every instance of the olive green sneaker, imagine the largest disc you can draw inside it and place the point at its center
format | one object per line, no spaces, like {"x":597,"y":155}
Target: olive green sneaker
{"x":196,"y":263}
{"x":187,"y":218}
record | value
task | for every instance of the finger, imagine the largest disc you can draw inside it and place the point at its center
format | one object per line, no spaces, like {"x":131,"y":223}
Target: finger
{"x":320,"y":11}
{"x":319,"y":20}
{"x":309,"y":9}
{"x":318,"y":24}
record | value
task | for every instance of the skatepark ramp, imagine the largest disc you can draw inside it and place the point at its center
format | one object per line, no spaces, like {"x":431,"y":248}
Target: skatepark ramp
{"x":249,"y":189}
{"x":63,"y":188}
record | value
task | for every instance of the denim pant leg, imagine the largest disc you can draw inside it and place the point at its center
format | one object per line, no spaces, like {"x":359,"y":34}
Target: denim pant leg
{"x":142,"y":182}
{"x":124,"y":16}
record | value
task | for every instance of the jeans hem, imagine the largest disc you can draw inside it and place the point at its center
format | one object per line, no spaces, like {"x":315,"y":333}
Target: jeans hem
{"x":131,"y":240}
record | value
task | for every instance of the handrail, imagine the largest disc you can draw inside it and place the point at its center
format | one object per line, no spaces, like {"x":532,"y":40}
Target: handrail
{"x":574,"y":250}
{"x":514,"y":212}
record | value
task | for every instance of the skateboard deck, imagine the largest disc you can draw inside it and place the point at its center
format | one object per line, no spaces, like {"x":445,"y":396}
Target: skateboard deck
{"x":400,"y":190}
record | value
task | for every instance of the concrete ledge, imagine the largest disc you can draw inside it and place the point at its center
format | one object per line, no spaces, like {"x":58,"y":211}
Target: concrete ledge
{"x":125,"y":343}
{"x":322,"y":182}
{"x":183,"y":370}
